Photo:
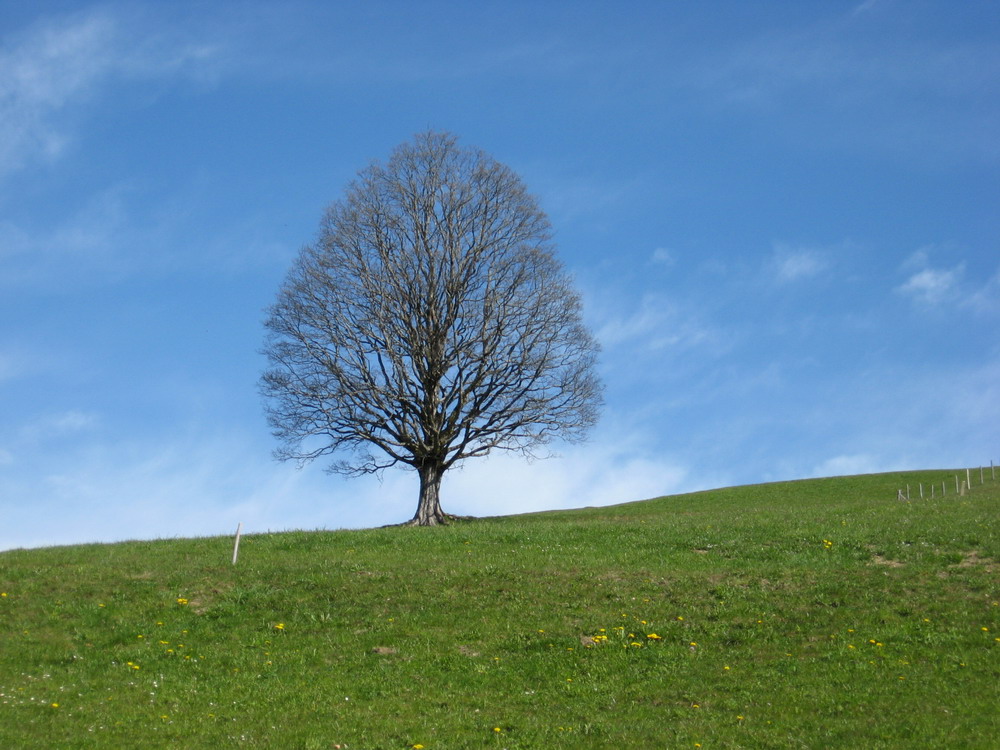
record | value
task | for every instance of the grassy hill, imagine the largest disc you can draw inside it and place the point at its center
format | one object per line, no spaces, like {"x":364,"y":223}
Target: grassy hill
{"x":811,"y":614}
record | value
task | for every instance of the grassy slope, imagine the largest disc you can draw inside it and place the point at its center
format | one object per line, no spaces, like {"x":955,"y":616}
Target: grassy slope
{"x":815,"y":614}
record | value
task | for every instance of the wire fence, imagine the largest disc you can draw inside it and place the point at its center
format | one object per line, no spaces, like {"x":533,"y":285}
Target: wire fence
{"x":963,"y":484}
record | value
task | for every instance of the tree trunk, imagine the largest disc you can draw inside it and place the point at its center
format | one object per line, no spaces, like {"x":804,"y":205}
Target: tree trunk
{"x":429,"y":511}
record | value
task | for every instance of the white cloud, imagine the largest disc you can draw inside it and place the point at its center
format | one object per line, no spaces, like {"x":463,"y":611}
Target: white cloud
{"x":203,"y":485}
{"x":11,"y":366}
{"x":63,"y":62}
{"x":83,"y":242}
{"x":605,"y":472}
{"x":987,"y":298}
{"x":864,"y":7}
{"x":849,"y":464}
{"x":42,"y":72}
{"x":930,"y":285}
{"x":198,"y":485}
{"x":655,"y":324}
{"x":794,"y":264}
{"x":663,"y":256}
{"x":58,"y":425}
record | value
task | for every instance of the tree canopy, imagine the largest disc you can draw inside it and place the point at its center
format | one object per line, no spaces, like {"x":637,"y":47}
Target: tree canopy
{"x":429,"y":322}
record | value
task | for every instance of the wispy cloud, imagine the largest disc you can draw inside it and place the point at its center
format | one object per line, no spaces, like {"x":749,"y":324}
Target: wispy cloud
{"x":613,"y":469}
{"x":932,"y":285}
{"x":863,"y":80}
{"x":83,"y":241}
{"x":63,"y":62}
{"x":42,"y":72}
{"x":790,"y":264}
{"x":928,"y":285}
{"x":663,"y":256}
{"x":656,"y":323}
{"x":58,"y":425}
{"x":848,"y":464}
{"x":986,"y":299}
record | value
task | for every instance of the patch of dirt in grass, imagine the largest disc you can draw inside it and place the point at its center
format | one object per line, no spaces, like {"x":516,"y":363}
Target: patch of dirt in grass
{"x":201,"y":601}
{"x":972,"y":559}
{"x":467,"y":651}
{"x":879,"y":560}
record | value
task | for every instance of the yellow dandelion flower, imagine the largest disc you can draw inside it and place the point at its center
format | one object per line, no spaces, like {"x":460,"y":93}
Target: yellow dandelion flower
{"x":418,"y":746}
{"x":496,"y":729}
{"x":55,"y":705}
{"x":654,"y":637}
{"x":280,"y":626}
{"x":181,"y":600}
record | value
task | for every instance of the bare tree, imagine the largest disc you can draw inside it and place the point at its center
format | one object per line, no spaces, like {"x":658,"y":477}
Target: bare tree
{"x":429,"y":323}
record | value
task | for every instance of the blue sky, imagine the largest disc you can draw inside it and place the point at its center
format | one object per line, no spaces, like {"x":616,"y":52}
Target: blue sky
{"x":783,"y":219}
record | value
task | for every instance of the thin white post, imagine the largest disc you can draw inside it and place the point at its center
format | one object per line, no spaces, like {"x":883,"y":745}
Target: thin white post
{"x":236,"y":544}
{"x":981,"y":480}
{"x":921,"y":490}
{"x":956,"y":483}
{"x":968,"y":479}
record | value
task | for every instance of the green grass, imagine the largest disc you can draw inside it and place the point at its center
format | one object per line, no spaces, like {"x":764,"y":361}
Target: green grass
{"x":812,"y":614}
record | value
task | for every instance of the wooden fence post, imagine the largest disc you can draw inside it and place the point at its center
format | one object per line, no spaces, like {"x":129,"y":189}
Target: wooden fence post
{"x":236,"y":544}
